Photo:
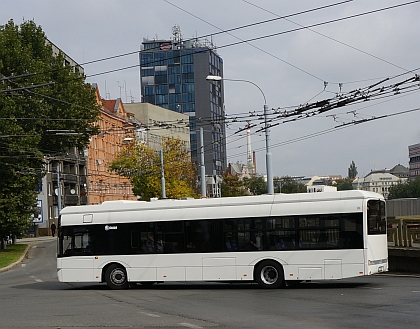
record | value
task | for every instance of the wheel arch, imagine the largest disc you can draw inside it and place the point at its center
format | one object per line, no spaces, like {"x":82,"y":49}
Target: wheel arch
{"x":107,"y":265}
{"x":274,"y":259}
{"x":258,"y":261}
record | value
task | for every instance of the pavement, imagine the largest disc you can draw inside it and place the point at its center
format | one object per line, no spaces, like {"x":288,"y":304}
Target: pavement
{"x":31,"y":241}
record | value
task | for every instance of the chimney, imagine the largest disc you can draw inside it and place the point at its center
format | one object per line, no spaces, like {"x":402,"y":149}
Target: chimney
{"x":254,"y":159}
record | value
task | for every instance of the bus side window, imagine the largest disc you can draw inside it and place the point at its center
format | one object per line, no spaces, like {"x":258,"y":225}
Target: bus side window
{"x":147,"y":242}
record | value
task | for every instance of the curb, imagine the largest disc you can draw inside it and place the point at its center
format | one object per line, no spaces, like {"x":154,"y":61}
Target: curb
{"x":24,"y":255}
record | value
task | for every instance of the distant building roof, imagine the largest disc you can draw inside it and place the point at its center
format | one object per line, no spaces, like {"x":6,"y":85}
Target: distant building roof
{"x":399,"y":169}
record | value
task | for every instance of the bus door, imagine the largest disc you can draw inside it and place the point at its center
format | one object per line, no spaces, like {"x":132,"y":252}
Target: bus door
{"x":78,"y":252}
{"x":376,"y":238}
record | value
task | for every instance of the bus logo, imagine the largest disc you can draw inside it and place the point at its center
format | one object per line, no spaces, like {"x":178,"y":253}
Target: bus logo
{"x":109,"y":227}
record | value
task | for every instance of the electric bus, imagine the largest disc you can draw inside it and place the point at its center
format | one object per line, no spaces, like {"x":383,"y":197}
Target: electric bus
{"x":268,"y":239}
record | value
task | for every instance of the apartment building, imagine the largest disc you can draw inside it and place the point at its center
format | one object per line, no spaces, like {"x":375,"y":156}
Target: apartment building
{"x":414,"y":165}
{"x":157,"y":122}
{"x":115,"y":130}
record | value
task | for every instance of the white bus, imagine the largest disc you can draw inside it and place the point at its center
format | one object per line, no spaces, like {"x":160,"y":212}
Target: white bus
{"x":268,"y":239}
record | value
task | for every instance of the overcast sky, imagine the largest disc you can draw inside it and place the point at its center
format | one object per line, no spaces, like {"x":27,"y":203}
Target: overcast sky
{"x":291,"y":68}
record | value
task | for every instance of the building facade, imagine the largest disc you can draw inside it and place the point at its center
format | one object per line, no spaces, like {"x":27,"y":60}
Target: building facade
{"x":115,"y":129}
{"x":156,"y":123}
{"x":64,"y":184}
{"x":414,"y":165}
{"x":379,"y":181}
{"x":173,"y":76}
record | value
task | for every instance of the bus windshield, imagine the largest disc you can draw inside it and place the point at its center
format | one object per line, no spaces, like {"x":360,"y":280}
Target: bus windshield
{"x":76,"y":240}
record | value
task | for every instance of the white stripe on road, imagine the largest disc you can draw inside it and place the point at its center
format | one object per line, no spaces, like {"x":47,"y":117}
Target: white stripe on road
{"x":34,"y":277}
{"x":151,"y":315}
{"x":189,"y":325}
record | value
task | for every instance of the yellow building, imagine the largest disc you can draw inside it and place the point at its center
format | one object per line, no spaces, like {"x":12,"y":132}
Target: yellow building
{"x":160,"y":123}
{"x":115,"y":129}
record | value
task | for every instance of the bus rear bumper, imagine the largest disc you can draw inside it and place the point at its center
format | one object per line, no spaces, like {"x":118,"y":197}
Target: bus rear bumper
{"x":377,"y":266}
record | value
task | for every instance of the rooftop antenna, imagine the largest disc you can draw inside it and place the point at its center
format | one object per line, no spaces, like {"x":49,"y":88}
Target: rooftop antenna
{"x":176,"y":32}
{"x":131,"y":97}
{"x":119,"y":87}
{"x":107,"y":94}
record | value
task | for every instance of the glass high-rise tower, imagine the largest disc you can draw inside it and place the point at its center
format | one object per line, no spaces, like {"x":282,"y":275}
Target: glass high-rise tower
{"x":173,"y":75}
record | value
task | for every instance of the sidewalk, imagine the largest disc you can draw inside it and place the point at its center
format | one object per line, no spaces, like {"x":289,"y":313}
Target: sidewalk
{"x":37,"y":239}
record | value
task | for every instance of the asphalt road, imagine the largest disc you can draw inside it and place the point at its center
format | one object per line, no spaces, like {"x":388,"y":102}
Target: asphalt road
{"x":32,"y":297}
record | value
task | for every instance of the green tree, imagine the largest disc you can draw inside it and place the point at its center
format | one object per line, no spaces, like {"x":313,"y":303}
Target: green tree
{"x":255,"y":184}
{"x":142,"y":165}
{"x":232,"y":186}
{"x":352,"y":171}
{"x":286,"y":184}
{"x":344,"y":184}
{"x":409,"y":189}
{"x":39,"y":96}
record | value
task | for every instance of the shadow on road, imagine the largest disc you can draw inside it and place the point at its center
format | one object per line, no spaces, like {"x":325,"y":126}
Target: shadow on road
{"x":312,"y":285}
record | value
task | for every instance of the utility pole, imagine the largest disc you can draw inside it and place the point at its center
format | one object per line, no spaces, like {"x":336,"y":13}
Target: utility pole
{"x":162,"y":170}
{"x":58,"y":190}
{"x":270,"y":186}
{"x":202,"y":167}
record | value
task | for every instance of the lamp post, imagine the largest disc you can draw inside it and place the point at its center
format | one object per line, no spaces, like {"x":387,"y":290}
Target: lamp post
{"x":270,"y":188}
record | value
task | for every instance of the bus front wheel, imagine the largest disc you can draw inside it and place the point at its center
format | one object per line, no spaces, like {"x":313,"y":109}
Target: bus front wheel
{"x":269,"y":275}
{"x":116,"y":277}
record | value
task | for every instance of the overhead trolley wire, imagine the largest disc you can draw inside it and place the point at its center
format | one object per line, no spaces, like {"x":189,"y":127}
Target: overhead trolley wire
{"x":325,"y":36}
{"x":243,"y":41}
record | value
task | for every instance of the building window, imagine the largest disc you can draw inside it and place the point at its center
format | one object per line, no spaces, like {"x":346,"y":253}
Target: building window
{"x":147,"y":72}
{"x":162,"y":90}
{"x":187,"y":57}
{"x":161,"y":79}
{"x":147,"y":59}
{"x":188,"y":88}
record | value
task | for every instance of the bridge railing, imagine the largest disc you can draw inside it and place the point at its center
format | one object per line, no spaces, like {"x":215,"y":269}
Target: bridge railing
{"x":404,"y":231}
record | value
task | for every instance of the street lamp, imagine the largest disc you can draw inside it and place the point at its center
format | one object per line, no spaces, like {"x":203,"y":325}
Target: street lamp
{"x":270,"y":188}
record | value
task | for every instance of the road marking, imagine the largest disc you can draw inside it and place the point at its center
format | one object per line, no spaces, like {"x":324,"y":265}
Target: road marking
{"x":189,"y":325}
{"x":34,"y":277}
{"x":23,"y":265}
{"x":151,"y":315}
{"x":416,"y":291}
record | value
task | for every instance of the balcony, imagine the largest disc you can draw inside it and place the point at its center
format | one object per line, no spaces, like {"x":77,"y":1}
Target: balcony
{"x":70,"y":178}
{"x":71,"y":200}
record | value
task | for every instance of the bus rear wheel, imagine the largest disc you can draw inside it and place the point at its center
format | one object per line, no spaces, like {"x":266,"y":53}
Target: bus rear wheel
{"x":116,"y":277}
{"x":269,"y":275}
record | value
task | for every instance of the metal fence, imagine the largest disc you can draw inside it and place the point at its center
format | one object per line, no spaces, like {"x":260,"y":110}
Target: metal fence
{"x":404,"y":231}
